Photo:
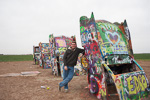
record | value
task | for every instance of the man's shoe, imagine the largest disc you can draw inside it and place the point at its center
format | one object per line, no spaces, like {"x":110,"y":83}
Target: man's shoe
{"x":66,"y":90}
{"x":59,"y":88}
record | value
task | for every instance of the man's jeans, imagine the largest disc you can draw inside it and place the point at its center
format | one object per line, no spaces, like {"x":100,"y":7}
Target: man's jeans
{"x":67,"y":76}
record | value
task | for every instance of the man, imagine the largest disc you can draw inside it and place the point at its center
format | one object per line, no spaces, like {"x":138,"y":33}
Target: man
{"x":70,"y":60}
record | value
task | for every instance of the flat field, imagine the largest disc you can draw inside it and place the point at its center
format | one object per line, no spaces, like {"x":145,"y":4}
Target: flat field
{"x":29,"y":87}
{"x":5,"y":58}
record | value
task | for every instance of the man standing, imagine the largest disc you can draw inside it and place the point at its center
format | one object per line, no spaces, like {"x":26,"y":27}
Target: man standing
{"x":70,"y":60}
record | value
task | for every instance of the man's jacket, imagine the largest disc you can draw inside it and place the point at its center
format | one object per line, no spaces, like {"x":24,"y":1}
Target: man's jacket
{"x":71,"y":56}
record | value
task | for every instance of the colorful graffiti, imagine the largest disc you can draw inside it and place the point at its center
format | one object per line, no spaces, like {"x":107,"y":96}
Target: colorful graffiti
{"x":132,"y":86}
{"x":36,"y":54}
{"x":58,"y":46}
{"x":79,"y":69}
{"x":53,"y":61}
{"x":111,"y":39}
{"x":44,"y":61}
{"x":119,"y":59}
{"x":109,"y":59}
{"x":61,"y":47}
{"x":89,"y":40}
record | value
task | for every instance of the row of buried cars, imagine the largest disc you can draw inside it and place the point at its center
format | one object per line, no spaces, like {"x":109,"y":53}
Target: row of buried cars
{"x":50,"y":55}
{"x":108,"y":61}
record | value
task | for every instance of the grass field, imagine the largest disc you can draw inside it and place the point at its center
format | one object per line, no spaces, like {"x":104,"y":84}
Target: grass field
{"x":144,"y":56}
{"x":5,"y":58}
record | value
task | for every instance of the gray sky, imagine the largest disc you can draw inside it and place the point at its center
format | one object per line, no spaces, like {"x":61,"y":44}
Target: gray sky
{"x":24,"y":23}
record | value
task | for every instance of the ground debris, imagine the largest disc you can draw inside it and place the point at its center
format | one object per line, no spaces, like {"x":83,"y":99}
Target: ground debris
{"x":29,"y":73}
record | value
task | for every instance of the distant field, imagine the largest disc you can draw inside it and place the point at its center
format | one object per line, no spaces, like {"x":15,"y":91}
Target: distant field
{"x":4,"y":58}
{"x":145,"y":56}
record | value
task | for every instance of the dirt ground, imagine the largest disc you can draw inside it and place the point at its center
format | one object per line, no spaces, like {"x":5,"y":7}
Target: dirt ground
{"x":29,"y":87}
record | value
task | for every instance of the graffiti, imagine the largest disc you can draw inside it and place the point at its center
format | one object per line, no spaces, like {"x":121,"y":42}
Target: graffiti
{"x":127,"y":34}
{"x":94,"y":85}
{"x":102,"y":91}
{"x":107,"y":26}
{"x":69,"y":41}
{"x":139,"y":84}
{"x":60,"y":43}
{"x":62,"y":50}
{"x":84,"y":63}
{"x":58,"y":46}
{"x":51,"y":41}
{"x":92,"y":54}
{"x":113,"y":38}
{"x":44,"y":55}
{"x":79,"y":70}
{"x":112,"y":43}
{"x":109,"y":59}
{"x":36,"y":54}
{"x":132,"y":85}
{"x":92,"y":48}
{"x":117,"y":60}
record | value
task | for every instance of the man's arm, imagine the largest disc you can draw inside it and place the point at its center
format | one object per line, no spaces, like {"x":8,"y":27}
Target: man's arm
{"x":81,"y":51}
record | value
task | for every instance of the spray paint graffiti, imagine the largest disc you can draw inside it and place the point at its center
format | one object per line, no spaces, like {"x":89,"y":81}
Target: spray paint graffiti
{"x":36,"y":54}
{"x":119,"y":59}
{"x":111,"y":39}
{"x":44,"y":55}
{"x":132,"y":86}
{"x":79,"y":69}
{"x":109,"y":58}
{"x":58,"y":46}
{"x":61,"y":47}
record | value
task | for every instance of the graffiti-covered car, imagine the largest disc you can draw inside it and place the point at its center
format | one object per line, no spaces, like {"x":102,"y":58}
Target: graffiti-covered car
{"x":44,"y":61}
{"x":58,"y":45}
{"x":109,"y":55}
{"x":36,"y":54}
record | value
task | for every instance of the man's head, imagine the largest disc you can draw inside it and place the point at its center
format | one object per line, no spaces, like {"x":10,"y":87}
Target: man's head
{"x":73,"y":45}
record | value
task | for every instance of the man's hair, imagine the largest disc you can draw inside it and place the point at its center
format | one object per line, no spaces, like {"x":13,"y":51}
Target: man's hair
{"x":74,"y":42}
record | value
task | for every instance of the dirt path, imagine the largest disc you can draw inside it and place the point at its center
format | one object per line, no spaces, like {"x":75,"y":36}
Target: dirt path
{"x":29,"y":87}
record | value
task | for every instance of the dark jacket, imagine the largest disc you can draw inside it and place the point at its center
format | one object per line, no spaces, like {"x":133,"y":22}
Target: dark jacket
{"x":70,"y":56}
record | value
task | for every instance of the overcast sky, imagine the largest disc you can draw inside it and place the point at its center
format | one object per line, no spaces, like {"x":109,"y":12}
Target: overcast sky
{"x":24,"y":23}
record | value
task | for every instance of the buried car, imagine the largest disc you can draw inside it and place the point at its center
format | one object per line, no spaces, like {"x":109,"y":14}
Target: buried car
{"x":58,"y":45}
{"x":109,"y":55}
{"x":36,"y":54}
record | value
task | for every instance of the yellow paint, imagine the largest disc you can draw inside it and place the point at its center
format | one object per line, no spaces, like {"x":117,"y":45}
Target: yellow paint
{"x":140,"y":83}
{"x":144,"y":81}
{"x":102,"y":92}
{"x":130,"y":86}
{"x":61,"y":43}
{"x":117,"y":80}
{"x":84,"y":62}
{"x":136,"y":81}
{"x":61,"y":50}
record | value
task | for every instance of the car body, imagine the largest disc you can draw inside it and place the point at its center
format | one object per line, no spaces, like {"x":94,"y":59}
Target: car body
{"x":36,"y":54}
{"x":110,"y":61}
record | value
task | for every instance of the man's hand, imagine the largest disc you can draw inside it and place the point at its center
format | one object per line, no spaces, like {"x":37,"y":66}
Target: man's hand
{"x":65,"y":68}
